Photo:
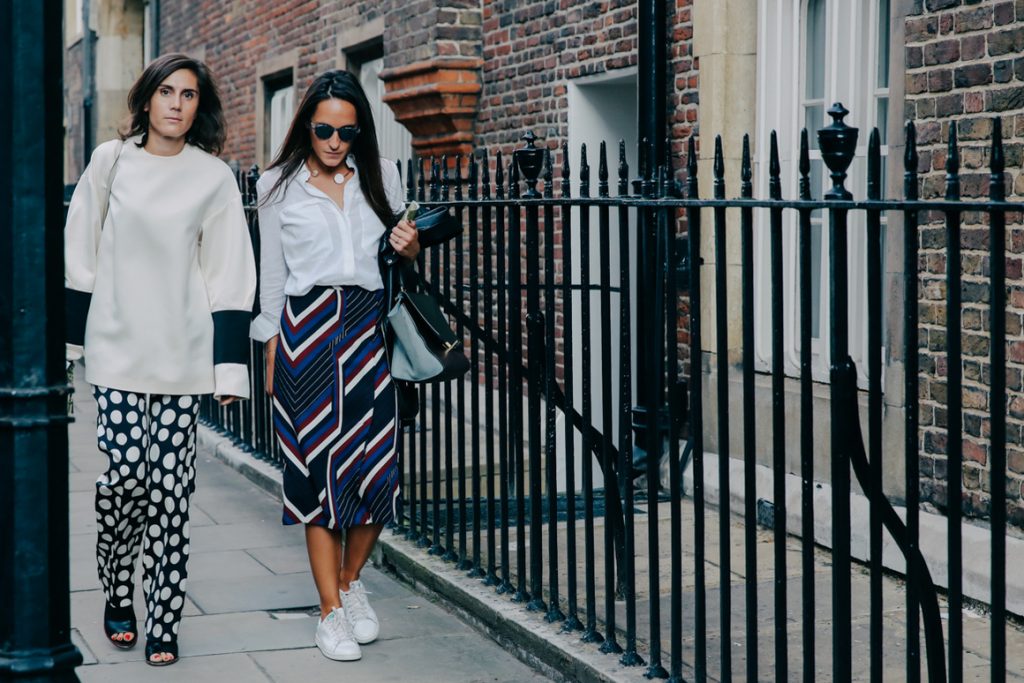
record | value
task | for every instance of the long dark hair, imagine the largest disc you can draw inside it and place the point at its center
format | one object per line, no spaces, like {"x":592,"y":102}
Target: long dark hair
{"x":340,"y":85}
{"x":208,"y":128}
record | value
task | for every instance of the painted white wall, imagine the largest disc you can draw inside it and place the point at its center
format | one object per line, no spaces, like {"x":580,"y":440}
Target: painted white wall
{"x":602,"y":108}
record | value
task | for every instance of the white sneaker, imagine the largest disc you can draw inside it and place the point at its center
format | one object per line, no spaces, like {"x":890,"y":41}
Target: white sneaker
{"x":362,"y":618}
{"x":334,"y":637}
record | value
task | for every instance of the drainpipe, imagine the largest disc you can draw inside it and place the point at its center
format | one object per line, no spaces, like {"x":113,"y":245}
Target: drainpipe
{"x":652,"y":95}
{"x":155,"y":26}
{"x":88,"y":84}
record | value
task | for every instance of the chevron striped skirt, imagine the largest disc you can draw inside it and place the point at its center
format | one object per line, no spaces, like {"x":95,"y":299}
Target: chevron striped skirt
{"x":334,"y":410}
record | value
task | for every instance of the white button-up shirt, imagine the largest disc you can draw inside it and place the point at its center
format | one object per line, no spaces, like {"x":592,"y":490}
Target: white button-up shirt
{"x":307,"y":240}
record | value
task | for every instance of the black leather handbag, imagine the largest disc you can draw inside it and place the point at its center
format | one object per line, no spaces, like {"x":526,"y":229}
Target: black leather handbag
{"x":422,"y":348}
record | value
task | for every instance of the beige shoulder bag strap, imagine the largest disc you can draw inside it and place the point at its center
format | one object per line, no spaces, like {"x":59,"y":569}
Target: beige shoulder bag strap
{"x":110,"y":182}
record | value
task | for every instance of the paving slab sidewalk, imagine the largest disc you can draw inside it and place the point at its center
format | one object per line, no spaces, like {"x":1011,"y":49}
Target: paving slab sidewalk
{"x":251,"y":608}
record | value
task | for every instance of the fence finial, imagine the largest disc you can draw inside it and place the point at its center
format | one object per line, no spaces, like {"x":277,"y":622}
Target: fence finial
{"x":474,"y":176}
{"x":623,"y":169}
{"x":691,"y":168}
{"x":485,"y":174}
{"x":719,"y":169}
{"x":838,"y":143}
{"x":584,"y":172}
{"x":805,"y":165}
{"x":997,"y":182}
{"x":499,"y":177}
{"x":529,"y":159}
{"x":746,"y":173}
{"x":566,"y":171}
{"x":458,"y":176}
{"x":549,"y":174}
{"x":952,"y":164}
{"x":602,"y":170}
{"x":774,"y":168}
{"x":874,"y":165}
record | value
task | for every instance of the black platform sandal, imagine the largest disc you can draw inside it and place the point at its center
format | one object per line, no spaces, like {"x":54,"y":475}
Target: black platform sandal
{"x":154,"y":647}
{"x":120,"y":621}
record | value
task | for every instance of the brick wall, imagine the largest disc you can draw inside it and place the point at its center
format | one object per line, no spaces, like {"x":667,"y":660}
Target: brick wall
{"x":965,"y":64}
{"x":533,"y":48}
{"x":234,"y":37}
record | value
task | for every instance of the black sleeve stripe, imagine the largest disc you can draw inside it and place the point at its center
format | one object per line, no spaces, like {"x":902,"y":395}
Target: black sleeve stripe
{"x":230,"y":337}
{"x":76,"y":310}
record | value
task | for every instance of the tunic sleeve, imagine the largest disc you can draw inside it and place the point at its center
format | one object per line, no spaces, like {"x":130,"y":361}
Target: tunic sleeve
{"x":273,"y":269}
{"x":229,"y":270}
{"x":81,"y":244}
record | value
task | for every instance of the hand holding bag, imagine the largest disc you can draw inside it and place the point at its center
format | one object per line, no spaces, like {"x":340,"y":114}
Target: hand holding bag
{"x":423,"y":348}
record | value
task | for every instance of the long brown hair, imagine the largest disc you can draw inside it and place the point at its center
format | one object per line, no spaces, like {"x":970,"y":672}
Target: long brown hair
{"x":208,"y":129}
{"x":340,"y":85}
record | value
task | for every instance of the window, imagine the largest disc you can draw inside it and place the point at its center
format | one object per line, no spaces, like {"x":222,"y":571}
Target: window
{"x":394,"y":139}
{"x":842,"y":55}
{"x":279,"y":106}
{"x":150,"y":32}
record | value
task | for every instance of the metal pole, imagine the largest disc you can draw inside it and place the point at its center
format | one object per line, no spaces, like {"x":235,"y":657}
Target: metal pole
{"x":35,"y":642}
{"x":652,"y":93}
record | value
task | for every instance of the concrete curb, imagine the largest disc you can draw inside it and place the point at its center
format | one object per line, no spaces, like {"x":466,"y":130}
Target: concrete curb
{"x":527,"y":636}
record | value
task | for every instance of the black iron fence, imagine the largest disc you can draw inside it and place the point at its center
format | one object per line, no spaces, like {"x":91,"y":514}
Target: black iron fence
{"x":584,"y":322}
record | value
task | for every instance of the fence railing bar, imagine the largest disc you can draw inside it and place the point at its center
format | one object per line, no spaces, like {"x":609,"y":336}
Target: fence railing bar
{"x":504,"y":421}
{"x":954,"y":412}
{"x":572,"y":622}
{"x":591,"y":634}
{"x":806,"y":419}
{"x":998,"y":472}
{"x":874,"y":274}
{"x":518,"y":424}
{"x":749,"y":417}
{"x":696,"y":419}
{"x":724,"y":454}
{"x":607,"y":453}
{"x":781,"y":616}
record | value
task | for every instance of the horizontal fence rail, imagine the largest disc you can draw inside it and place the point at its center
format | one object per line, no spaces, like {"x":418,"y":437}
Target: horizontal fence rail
{"x":617,"y":458}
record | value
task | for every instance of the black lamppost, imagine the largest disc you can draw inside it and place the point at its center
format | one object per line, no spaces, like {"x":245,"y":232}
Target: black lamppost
{"x":35,"y":643}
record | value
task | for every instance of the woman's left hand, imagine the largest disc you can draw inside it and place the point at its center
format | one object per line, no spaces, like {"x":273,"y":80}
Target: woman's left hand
{"x":227,"y":400}
{"x":405,"y":239}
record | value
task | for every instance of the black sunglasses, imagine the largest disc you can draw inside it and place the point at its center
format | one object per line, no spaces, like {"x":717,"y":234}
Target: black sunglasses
{"x":325,"y":132}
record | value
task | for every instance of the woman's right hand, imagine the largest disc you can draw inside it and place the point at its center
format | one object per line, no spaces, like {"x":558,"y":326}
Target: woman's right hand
{"x":269,"y":353}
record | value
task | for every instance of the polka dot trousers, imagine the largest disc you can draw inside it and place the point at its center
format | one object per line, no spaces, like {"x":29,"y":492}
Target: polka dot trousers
{"x":150,"y":442}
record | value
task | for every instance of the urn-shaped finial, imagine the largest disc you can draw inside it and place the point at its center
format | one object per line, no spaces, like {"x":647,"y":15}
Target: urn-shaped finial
{"x":530,"y":160}
{"x":838,"y":143}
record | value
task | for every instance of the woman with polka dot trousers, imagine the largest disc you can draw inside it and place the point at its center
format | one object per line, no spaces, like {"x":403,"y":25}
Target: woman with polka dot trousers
{"x":159,"y":285}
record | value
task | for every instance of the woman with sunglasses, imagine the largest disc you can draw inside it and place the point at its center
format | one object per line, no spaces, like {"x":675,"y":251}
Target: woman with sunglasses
{"x":160,"y":280}
{"x":325,"y":203}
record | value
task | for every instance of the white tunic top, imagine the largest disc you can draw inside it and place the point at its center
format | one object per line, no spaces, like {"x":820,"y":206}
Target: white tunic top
{"x":306,"y":240}
{"x":173,"y":257}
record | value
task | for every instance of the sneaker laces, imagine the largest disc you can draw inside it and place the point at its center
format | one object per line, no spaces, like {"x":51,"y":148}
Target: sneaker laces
{"x":357,"y":606}
{"x":342,"y":628}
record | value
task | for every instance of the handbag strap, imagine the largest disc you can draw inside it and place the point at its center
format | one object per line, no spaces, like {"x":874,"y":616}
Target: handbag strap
{"x":110,"y":182}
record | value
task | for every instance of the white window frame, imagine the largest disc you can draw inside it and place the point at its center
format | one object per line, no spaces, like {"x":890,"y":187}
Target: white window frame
{"x":851,"y":35}
{"x":394,"y":139}
{"x":280,"y":110}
